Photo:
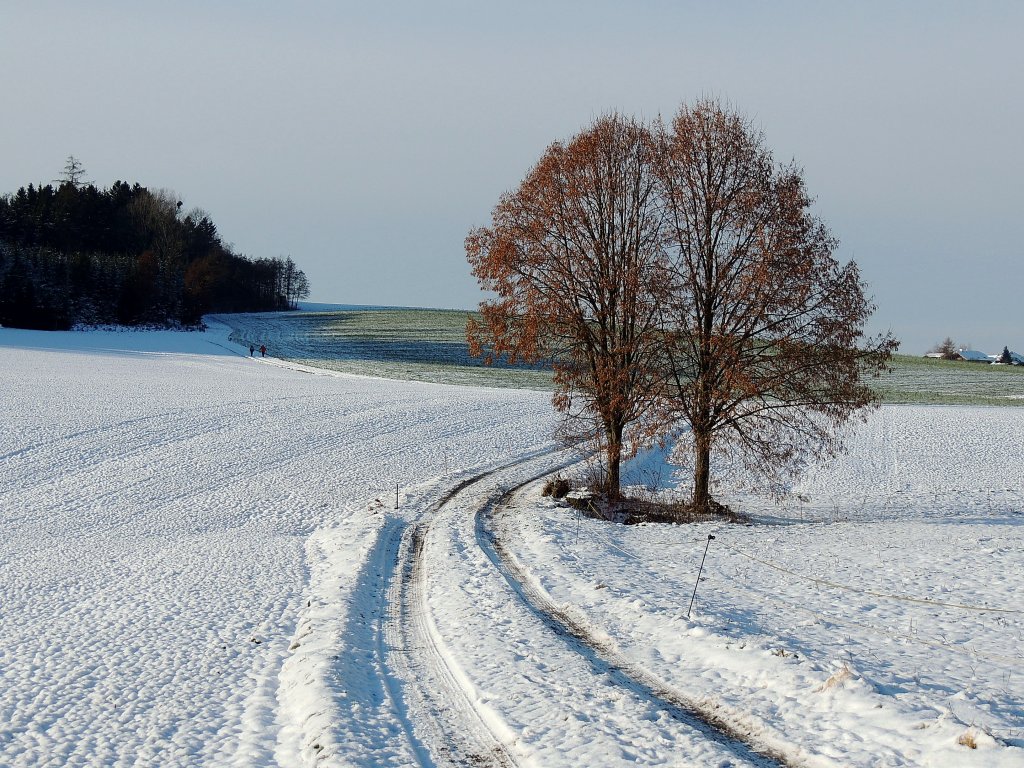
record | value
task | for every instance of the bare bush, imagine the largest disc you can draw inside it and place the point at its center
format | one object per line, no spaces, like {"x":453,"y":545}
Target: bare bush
{"x":556,"y":487}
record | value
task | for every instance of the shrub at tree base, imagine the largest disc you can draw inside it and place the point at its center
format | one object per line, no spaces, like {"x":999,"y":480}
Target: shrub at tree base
{"x":636,"y":511}
{"x":556,"y":487}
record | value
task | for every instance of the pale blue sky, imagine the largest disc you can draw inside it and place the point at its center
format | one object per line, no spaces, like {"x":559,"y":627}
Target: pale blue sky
{"x":365,"y":140}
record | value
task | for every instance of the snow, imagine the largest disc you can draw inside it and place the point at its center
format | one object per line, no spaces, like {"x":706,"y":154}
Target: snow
{"x":873,"y":624}
{"x":200,"y":557}
{"x":159,"y":494}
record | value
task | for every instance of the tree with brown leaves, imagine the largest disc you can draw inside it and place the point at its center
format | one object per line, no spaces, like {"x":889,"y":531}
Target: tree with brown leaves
{"x":764,"y":329}
{"x":574,"y":257}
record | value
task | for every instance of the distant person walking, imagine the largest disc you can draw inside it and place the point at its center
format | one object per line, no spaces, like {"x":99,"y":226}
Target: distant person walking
{"x":263,"y":350}
{"x":252,"y":350}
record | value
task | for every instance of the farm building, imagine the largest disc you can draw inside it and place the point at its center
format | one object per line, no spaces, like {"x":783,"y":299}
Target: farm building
{"x":973,"y":356}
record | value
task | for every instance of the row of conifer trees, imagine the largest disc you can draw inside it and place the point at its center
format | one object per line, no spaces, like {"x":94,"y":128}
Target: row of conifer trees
{"x":72,"y":253}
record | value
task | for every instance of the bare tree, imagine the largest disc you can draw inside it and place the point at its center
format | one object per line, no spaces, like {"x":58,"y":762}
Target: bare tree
{"x":574,"y":257}
{"x":294,"y":284}
{"x":73,"y":173}
{"x":157,"y":214}
{"x":764,"y":328}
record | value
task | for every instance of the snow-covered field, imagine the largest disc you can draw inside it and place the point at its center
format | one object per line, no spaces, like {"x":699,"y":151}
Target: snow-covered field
{"x":158,"y":495}
{"x":201,"y":564}
{"x":874,"y":623}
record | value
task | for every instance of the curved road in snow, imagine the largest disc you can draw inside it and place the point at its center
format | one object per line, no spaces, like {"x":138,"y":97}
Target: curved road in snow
{"x":481,"y":669}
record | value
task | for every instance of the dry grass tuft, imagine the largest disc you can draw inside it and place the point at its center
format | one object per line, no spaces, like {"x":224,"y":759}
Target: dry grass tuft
{"x":968,"y":739}
{"x":836,"y":679}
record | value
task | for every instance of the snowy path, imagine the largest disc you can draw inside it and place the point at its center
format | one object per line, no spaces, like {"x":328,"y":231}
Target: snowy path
{"x":424,"y":685}
{"x":749,"y":745}
{"x":489,"y":681}
{"x":438,"y":660}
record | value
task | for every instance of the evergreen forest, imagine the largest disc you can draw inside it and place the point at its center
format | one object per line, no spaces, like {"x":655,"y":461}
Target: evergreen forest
{"x":76,"y":254}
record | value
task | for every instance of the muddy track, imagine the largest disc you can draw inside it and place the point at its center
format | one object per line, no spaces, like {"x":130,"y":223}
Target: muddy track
{"x":607,"y":659}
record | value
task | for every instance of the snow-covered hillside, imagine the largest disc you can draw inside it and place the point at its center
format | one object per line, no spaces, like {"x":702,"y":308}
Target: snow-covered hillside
{"x":201,"y":564}
{"x":157,"y":491}
{"x":876,"y":621}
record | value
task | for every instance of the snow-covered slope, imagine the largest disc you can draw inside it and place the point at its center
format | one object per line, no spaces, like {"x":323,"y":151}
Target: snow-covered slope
{"x":876,"y":622}
{"x":201,"y":564}
{"x":157,"y":491}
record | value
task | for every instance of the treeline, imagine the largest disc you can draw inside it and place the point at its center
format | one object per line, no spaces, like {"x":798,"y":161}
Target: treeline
{"x":75,"y":253}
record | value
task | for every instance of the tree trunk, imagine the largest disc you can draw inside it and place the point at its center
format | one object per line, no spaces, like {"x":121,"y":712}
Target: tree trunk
{"x":613,"y":455}
{"x":702,"y":472}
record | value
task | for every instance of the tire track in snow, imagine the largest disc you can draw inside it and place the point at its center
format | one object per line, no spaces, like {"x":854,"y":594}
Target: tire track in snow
{"x":165,"y":416}
{"x":149,"y":455}
{"x":441,"y":724}
{"x":606,"y":659}
{"x":429,"y":689}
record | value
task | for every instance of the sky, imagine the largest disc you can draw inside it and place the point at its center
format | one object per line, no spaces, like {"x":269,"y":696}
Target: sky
{"x":366,"y":139}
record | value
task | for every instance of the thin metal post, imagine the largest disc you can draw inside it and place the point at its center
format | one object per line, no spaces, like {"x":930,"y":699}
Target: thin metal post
{"x":710,"y":537}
